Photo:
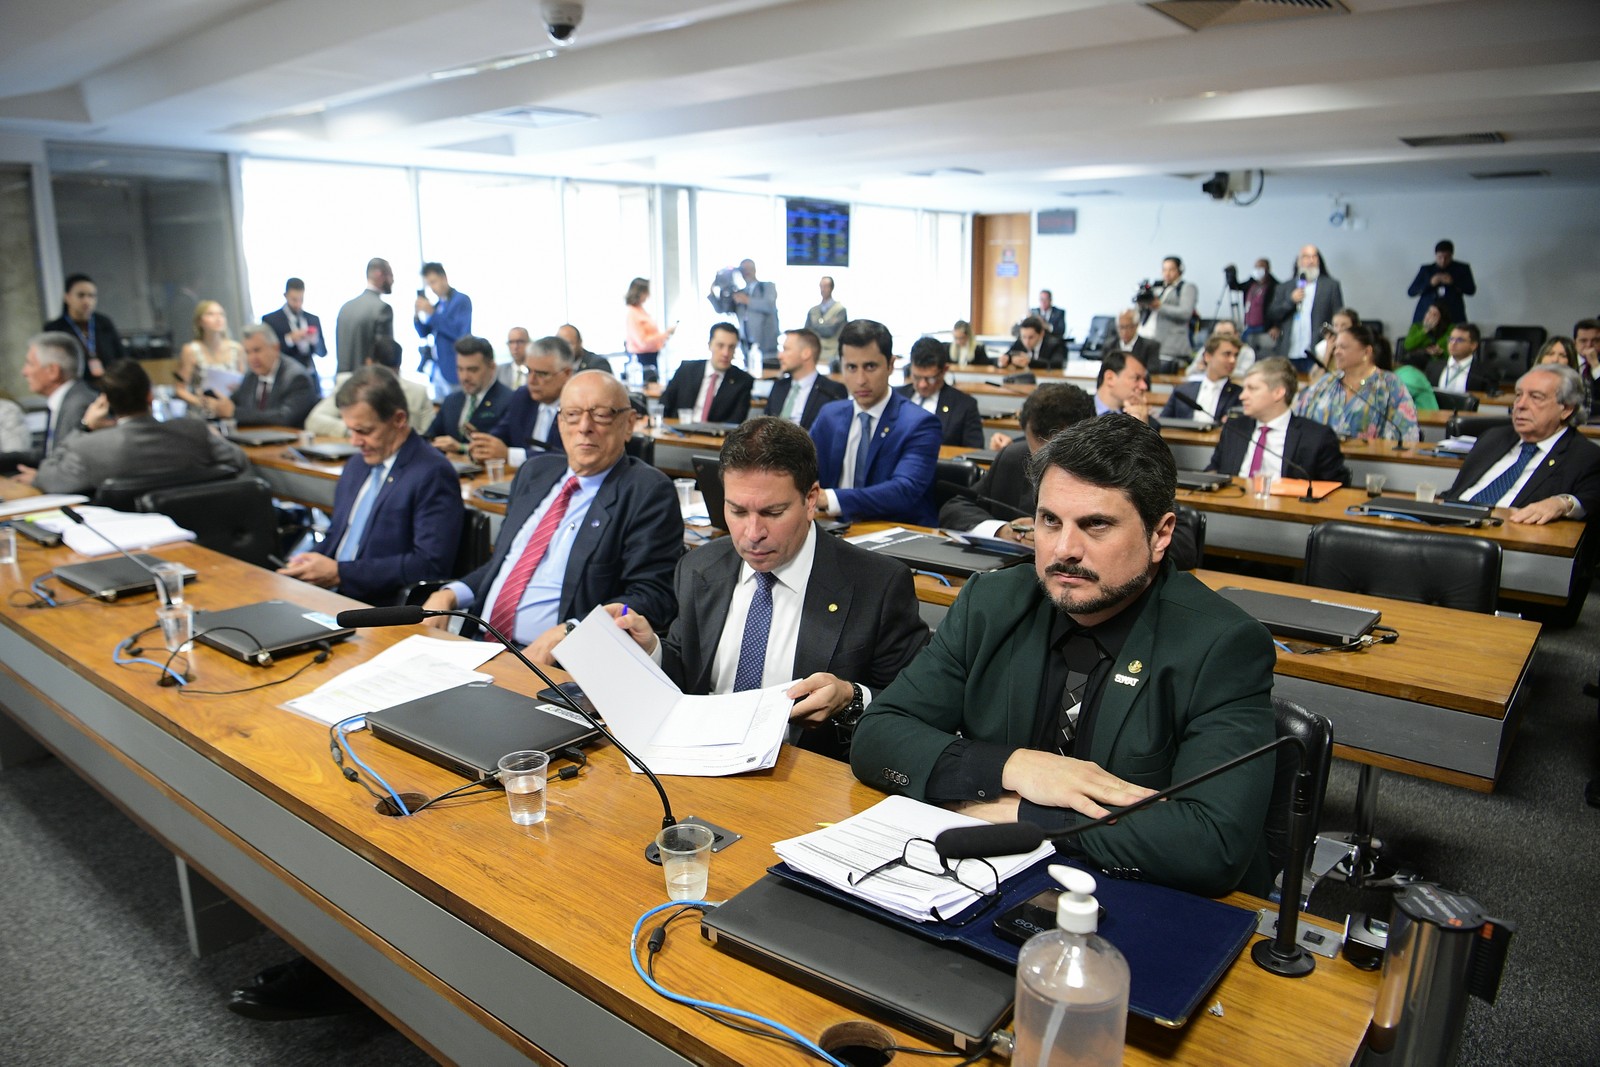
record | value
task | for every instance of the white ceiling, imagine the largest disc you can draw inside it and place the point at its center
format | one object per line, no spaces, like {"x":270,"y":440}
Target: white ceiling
{"x":1049,"y":99}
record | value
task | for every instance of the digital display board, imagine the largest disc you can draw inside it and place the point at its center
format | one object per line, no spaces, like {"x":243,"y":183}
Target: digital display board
{"x":817,"y":233}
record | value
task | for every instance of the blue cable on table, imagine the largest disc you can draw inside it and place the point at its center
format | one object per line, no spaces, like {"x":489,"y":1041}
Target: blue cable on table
{"x":633,"y":951}
{"x":116,"y":657}
{"x":344,"y":743}
{"x":932,"y":574}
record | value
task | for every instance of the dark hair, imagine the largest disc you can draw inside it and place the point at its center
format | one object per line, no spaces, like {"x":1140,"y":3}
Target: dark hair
{"x":772,"y":444}
{"x":1568,"y":345}
{"x":1053,"y":407}
{"x":475,"y":346}
{"x":1585,"y":324}
{"x":715,"y":326}
{"x":375,"y":386}
{"x":377,"y":263}
{"x":1034,"y":323}
{"x":432,"y":267}
{"x":859,"y":333}
{"x":294,"y":283}
{"x":1364,"y":335}
{"x":1470,"y":329}
{"x":1382,"y":353}
{"x":74,"y":279}
{"x":385,"y":353}
{"x":575,"y":333}
{"x":1352,"y":314}
{"x":1176,"y":261}
{"x":930,"y":352}
{"x":1115,"y":451}
{"x":808,"y":340}
{"x":1445,"y":246}
{"x":127,"y":388}
{"x":638,"y":289}
{"x":1115,"y":363}
{"x":1415,"y":357}
{"x":1046,"y":292}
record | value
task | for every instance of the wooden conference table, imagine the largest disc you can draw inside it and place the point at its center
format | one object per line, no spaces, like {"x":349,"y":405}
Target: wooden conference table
{"x":487,"y":942}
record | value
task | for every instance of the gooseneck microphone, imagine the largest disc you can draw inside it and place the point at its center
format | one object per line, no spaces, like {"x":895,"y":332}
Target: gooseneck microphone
{"x":972,"y":494}
{"x":161,"y":589}
{"x":1282,"y":955}
{"x":1366,"y":402}
{"x":411,"y":614}
{"x":1307,"y":497}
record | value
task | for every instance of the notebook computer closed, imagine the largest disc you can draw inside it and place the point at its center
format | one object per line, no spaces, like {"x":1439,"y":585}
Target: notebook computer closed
{"x":708,"y":479}
{"x":262,"y":633}
{"x":262,"y":437}
{"x":1321,"y":621}
{"x":1203,"y":481}
{"x":933,"y":990}
{"x":115,"y":577}
{"x":467,"y":729}
{"x":465,"y":468}
{"x":328,"y":451}
{"x":499,"y":492}
{"x":923,"y":552}
{"x":710,"y":429}
{"x":1434,"y":513}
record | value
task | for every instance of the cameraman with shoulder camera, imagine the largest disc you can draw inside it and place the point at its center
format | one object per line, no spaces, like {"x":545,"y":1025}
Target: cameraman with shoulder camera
{"x":1166,"y":311}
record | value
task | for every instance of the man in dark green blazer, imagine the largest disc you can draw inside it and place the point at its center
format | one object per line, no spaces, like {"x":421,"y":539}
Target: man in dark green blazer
{"x":1097,"y":679}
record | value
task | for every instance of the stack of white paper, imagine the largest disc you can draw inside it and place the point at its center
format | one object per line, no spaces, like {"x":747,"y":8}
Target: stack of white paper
{"x":842,"y":853}
{"x":129,"y":530}
{"x":44,"y":502}
{"x":417,"y":667}
{"x":705,"y":736}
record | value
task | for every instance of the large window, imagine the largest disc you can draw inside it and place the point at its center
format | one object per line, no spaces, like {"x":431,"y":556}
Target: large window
{"x":499,"y":239}
{"x":321,"y":222}
{"x":609,"y":243}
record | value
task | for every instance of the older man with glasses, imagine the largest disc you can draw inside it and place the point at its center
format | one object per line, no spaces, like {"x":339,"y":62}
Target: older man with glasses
{"x":584,"y":526}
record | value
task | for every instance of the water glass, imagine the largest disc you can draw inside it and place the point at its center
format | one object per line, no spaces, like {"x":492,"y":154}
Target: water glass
{"x":169,"y":582}
{"x":1261,"y":484}
{"x":177,"y":626}
{"x":685,"y":488}
{"x":1426,"y":491}
{"x":494,"y":470}
{"x":523,"y":775}
{"x":685,"y":415}
{"x":1375,"y":484}
{"x":686,"y":859}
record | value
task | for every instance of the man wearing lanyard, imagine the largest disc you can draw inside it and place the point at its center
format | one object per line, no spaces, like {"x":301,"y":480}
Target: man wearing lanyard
{"x":299,"y":332}
{"x":1460,"y":372}
{"x":588,"y":526}
{"x":95,"y":333}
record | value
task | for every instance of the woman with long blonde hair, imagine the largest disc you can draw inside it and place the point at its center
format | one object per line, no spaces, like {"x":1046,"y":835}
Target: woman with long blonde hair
{"x":212,"y":347}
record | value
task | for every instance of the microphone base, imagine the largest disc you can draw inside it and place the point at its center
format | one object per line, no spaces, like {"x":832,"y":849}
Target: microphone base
{"x":1297,"y":964}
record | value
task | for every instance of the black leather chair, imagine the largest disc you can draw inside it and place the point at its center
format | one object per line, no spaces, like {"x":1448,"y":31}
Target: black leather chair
{"x":1375,"y":325}
{"x":1475,"y":425}
{"x":1447,"y":570}
{"x":956,"y":471}
{"x":1423,"y":566}
{"x":1532,"y":336}
{"x":234,"y":517}
{"x":640,"y":446}
{"x":472,"y":552}
{"x":1455,"y":401}
{"x":123,"y":493}
{"x":1194,"y":521}
{"x":1316,"y":733}
{"x":1505,"y":360}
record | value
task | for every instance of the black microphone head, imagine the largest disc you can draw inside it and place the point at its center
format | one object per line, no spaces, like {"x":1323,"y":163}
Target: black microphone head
{"x":72,"y":514}
{"x":401,"y":615}
{"x":978,"y":842}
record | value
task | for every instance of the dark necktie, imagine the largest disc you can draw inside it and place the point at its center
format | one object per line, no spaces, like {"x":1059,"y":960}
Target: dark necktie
{"x":863,"y":451}
{"x":1082,"y":654}
{"x":753,"y":645}
{"x":261,"y":395}
{"x":1491,"y":493}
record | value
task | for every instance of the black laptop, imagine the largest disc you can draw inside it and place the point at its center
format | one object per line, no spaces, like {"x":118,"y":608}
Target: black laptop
{"x":1433,"y":513}
{"x":1186,"y":424}
{"x":328,"y":451}
{"x":710,"y":429}
{"x":1202,"y":481}
{"x":708,"y":479}
{"x":115,"y":577}
{"x":250,"y":438}
{"x":929,"y":553}
{"x":465,"y":468}
{"x":262,"y":633}
{"x":498,"y":492}
{"x":1321,"y":621}
{"x":467,"y":729}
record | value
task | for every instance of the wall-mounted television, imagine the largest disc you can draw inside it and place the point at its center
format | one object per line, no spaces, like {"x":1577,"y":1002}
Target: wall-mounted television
{"x":817,"y":233}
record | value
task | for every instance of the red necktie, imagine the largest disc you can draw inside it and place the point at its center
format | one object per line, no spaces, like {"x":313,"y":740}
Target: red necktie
{"x":711,"y":394}
{"x":261,"y":395}
{"x":504,"y":616}
{"x":1261,"y":453}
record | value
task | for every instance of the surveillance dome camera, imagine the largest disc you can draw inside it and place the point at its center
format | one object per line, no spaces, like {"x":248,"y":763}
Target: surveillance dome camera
{"x":561,"y":19}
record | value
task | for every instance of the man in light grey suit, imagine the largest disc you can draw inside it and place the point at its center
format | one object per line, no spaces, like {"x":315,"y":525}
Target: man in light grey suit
{"x":51,"y":370}
{"x":778,"y":600}
{"x":121,"y":438}
{"x":757,"y":308}
{"x":1300,"y":305}
{"x":367,"y":319}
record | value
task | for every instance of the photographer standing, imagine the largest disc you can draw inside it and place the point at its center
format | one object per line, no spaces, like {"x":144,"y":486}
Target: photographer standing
{"x":1257,"y":290}
{"x":1166,"y":312}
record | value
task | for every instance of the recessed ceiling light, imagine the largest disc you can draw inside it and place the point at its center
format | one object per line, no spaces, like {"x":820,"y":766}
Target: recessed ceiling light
{"x":538,"y":118}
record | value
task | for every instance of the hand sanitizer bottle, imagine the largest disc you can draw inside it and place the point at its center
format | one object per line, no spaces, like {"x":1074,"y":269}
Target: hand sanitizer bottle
{"x":1072,"y":986}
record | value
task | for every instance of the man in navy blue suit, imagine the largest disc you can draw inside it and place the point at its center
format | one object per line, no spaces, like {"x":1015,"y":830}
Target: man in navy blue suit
{"x":476,"y":406}
{"x":528,"y":425}
{"x":396,"y":513}
{"x":1212,"y":397}
{"x":877,"y":451}
{"x":959,"y":421}
{"x":299,"y":332}
{"x":585,"y":527}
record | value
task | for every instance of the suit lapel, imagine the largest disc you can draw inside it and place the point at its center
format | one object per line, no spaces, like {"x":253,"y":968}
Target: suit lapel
{"x":824,"y":611}
{"x":1128,"y":678}
{"x":1022,"y":690}
{"x":1534,"y":488}
{"x":713,"y":592}
{"x":881,"y":434}
{"x":1291,"y":444}
{"x":402,"y":457}
{"x":595,"y":521}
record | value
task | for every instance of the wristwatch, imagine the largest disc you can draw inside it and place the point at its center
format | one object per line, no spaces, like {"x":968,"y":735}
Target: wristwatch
{"x":852,"y":711}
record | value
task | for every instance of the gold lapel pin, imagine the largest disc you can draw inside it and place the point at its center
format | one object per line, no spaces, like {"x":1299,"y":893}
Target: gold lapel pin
{"x":833,"y":607}
{"x":1135,"y":667}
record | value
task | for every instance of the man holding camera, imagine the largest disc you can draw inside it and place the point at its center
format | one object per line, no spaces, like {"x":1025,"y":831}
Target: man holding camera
{"x":1166,"y":311}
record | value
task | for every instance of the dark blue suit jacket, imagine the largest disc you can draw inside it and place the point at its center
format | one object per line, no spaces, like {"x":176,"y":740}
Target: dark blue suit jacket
{"x":446,"y":421}
{"x":280,"y":326}
{"x":959,"y":421}
{"x":517,"y":421}
{"x":900,"y":468}
{"x":1177,"y":409}
{"x":414,"y":528}
{"x":631,"y":539}
{"x":823,"y":390}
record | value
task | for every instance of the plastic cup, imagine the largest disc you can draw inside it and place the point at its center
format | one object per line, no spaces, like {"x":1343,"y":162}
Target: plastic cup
{"x":685,"y":415}
{"x":1426,"y":491}
{"x":685,"y":488}
{"x":523,"y":775}
{"x":8,"y":545}
{"x":1261,"y":485}
{"x":307,"y":438}
{"x":177,"y":626}
{"x":686,"y":860}
{"x":1375,"y":484}
{"x":229,"y":427}
{"x":170,"y":577}
{"x":494,"y":470}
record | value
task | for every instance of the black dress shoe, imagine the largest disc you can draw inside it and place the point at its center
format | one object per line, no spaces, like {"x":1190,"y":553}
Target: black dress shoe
{"x":294,"y":990}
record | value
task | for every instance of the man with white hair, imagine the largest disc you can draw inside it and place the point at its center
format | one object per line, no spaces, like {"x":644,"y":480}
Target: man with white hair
{"x":51,"y":370}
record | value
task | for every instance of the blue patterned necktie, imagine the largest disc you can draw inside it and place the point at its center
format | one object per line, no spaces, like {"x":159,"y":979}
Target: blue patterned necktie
{"x":1491,"y":493}
{"x":753,"y":645}
{"x":863,"y":451}
{"x":358,"y":522}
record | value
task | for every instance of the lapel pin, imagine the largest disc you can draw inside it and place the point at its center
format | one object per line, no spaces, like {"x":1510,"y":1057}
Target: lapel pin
{"x":833,"y":607}
{"x":1135,"y":667}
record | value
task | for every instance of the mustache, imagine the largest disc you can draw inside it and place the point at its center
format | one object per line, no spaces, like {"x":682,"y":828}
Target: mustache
{"x":1072,"y":570}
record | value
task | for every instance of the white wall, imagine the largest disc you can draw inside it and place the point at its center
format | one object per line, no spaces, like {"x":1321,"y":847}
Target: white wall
{"x":1532,"y":251}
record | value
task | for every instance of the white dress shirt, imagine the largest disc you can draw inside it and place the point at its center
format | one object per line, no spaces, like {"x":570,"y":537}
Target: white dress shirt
{"x":516,"y":457}
{"x":1206,"y":400}
{"x":800,"y":390}
{"x":847,"y":470}
{"x":1453,"y":376}
{"x":1302,"y":331}
{"x":705,"y":387}
{"x":1277,"y":441}
{"x":56,"y":431}
{"x":926,"y":403}
{"x":1506,"y":461}
{"x":367,"y":487}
